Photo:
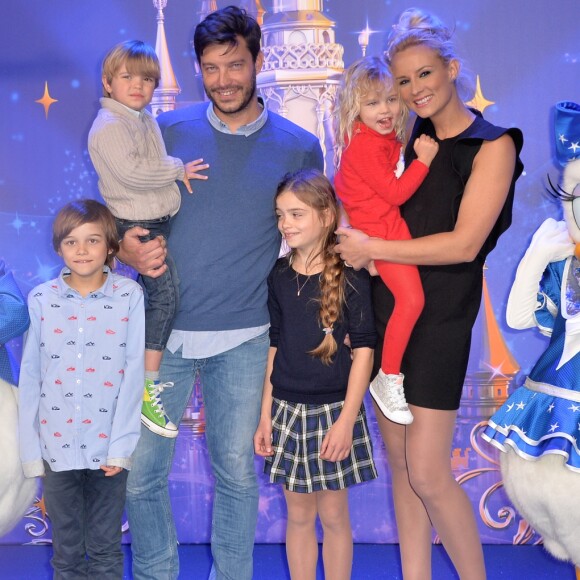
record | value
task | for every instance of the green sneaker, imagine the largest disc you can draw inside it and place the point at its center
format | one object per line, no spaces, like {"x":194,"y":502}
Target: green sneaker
{"x":152,"y":414}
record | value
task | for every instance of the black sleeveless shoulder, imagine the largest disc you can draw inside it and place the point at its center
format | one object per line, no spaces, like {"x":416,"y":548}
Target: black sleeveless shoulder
{"x":436,"y":358}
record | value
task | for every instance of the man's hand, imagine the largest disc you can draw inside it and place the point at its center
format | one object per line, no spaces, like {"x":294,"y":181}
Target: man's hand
{"x":148,"y":258}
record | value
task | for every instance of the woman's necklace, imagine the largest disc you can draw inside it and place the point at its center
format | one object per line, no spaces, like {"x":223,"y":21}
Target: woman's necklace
{"x":298,"y":287}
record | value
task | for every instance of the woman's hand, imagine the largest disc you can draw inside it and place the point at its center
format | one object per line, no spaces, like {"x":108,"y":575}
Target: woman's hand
{"x":353,"y":247}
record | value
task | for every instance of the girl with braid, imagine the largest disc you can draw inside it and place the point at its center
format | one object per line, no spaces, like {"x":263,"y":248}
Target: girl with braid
{"x":312,"y":429}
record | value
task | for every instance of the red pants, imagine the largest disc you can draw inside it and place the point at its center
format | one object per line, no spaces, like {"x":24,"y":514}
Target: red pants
{"x":405,"y":284}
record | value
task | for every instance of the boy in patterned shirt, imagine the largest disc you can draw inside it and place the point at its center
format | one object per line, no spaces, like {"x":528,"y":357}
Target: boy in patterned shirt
{"x":80,"y":387}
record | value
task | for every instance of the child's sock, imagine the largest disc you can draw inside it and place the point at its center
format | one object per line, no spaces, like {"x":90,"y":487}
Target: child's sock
{"x":152,"y":375}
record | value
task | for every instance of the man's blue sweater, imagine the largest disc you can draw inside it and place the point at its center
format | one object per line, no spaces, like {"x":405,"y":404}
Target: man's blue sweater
{"x":224,"y":239}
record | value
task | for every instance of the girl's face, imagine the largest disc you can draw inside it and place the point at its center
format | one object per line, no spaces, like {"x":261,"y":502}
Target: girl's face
{"x":301,"y":226}
{"x":425,"y":82}
{"x":380,"y":109}
{"x":85,"y":252}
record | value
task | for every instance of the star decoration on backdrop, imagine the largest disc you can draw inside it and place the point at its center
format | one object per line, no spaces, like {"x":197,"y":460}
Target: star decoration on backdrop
{"x":496,"y":371}
{"x":46,"y":101}
{"x":41,"y":506}
{"x":17,"y":223}
{"x":479,"y":102}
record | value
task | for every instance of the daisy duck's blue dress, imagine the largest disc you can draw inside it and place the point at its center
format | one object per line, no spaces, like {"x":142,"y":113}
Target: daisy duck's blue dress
{"x":543,"y":415}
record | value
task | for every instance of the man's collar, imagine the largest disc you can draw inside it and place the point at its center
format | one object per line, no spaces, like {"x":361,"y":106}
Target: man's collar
{"x":245,"y":130}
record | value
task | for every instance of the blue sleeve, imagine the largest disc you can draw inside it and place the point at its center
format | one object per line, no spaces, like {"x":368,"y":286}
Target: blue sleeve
{"x":127,"y":420}
{"x":14,"y":319}
{"x":313,"y":158}
{"x":361,"y":328}
{"x":274,"y":310}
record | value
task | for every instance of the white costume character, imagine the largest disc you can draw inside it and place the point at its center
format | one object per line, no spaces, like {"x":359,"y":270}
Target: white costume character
{"x":538,"y":427}
{"x":16,"y":492}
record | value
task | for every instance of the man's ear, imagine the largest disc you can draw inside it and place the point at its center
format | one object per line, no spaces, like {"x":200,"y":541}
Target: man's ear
{"x":259,"y":62}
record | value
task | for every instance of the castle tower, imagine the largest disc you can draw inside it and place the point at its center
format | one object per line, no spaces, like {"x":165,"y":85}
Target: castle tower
{"x":255,"y":9}
{"x":207,"y":7}
{"x":491,"y":370}
{"x":302,"y":67}
{"x":165,"y":94}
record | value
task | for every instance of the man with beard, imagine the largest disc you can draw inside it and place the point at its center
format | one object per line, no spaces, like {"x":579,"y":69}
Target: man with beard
{"x":224,"y":241}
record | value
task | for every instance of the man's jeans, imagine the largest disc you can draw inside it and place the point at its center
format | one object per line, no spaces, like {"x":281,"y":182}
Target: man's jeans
{"x":232,"y":390}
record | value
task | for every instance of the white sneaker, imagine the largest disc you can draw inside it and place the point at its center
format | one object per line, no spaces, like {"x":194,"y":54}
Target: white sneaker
{"x":388,"y":393}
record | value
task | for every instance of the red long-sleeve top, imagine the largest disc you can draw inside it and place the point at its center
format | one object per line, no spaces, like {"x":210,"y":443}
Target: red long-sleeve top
{"x":367,"y":185}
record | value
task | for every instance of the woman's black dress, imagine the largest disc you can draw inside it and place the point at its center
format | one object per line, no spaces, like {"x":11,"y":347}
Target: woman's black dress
{"x":435,"y":360}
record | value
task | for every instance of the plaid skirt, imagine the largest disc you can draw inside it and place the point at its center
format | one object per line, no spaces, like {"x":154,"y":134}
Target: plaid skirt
{"x":297,"y":433}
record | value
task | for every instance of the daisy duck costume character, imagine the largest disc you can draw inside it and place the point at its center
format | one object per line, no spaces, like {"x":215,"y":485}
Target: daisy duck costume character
{"x":538,"y":427}
{"x":16,"y":492}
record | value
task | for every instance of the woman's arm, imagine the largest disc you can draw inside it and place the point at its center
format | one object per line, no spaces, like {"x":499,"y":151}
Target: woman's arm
{"x":484,"y":197}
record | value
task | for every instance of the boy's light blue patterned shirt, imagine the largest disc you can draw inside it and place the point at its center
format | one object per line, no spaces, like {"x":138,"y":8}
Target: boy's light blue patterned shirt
{"x":82,"y":375}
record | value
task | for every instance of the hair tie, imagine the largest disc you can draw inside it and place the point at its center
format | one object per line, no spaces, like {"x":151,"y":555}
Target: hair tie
{"x":327,"y":330}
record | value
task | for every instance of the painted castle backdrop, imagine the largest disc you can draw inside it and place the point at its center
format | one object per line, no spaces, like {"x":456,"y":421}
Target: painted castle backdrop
{"x":525,"y":57}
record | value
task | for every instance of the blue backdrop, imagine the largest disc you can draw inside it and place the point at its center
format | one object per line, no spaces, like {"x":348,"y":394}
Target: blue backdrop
{"x":527,"y":56}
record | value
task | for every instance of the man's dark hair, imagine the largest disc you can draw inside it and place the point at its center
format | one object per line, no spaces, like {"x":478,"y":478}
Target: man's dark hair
{"x":223,"y":27}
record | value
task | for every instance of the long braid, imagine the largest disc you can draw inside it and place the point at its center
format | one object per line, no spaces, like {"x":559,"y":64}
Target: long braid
{"x":331,"y":302}
{"x":315,"y":190}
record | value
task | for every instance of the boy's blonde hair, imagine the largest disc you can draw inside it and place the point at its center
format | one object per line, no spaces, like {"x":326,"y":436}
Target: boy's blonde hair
{"x":314,"y":189}
{"x":361,"y":77}
{"x":138,"y":58}
{"x":86,"y":211}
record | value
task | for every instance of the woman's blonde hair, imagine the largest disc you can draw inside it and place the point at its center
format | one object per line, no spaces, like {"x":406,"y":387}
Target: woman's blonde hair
{"x":361,"y":77}
{"x":312,"y":188}
{"x":137,"y":57}
{"x":419,"y":28}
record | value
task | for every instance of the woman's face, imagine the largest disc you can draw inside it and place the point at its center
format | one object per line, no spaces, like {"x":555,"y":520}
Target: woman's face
{"x":426,"y":84}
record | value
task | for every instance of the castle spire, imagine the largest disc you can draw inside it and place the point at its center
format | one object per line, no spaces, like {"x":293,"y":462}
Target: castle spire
{"x":165,"y":94}
{"x":492,"y":367}
{"x":206,"y":8}
{"x":254,"y":8}
{"x":302,"y":67}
